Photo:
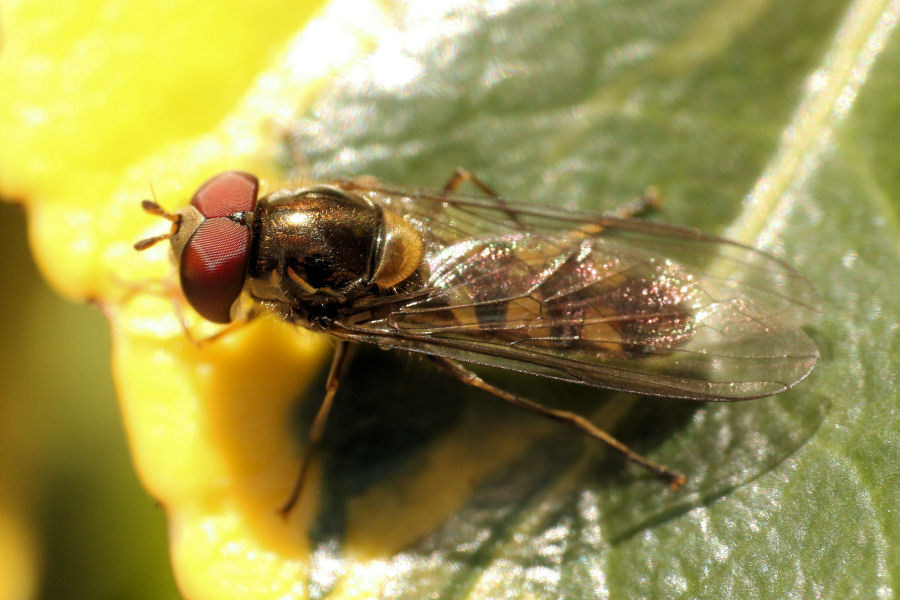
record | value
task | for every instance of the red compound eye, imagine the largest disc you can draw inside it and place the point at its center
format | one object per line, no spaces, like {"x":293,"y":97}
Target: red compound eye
{"x":214,"y":261}
{"x":226,"y":194}
{"x":214,"y":266}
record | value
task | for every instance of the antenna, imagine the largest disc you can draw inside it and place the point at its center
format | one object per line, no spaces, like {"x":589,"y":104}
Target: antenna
{"x":155,"y":209}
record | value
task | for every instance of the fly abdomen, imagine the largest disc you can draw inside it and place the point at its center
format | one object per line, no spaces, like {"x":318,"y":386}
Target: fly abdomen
{"x":525,"y":291}
{"x":613,"y":309}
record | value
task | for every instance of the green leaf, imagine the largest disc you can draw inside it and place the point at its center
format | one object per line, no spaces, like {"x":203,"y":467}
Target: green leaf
{"x":774,"y":123}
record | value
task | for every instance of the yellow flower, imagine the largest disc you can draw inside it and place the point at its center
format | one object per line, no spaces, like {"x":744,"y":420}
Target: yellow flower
{"x":101,"y":100}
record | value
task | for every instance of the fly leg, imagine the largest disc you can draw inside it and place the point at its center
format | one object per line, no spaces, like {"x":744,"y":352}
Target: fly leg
{"x":461,"y":176}
{"x":455,"y":369}
{"x":338,"y":368}
{"x":649,"y":200}
{"x":227,"y":330}
{"x":172,"y":292}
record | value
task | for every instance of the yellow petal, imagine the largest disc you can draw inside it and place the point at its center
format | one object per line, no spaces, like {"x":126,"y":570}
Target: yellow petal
{"x":110,"y":99}
{"x":102,"y":100}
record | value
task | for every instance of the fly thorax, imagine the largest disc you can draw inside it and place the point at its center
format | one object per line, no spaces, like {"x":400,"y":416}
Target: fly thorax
{"x":316,"y":244}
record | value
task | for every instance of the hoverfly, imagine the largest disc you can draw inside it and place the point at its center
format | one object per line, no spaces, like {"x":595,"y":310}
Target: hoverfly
{"x":613,"y":302}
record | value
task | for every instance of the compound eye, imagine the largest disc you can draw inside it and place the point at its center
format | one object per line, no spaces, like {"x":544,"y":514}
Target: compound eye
{"x":214,"y":266}
{"x":226,"y":193}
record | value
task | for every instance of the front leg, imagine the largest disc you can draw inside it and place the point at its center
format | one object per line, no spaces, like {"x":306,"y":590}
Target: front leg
{"x":338,"y":368}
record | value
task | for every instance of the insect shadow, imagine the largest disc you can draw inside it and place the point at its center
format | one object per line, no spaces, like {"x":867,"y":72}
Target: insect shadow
{"x":392,"y":405}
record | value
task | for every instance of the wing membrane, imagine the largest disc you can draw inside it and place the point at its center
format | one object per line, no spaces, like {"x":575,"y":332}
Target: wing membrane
{"x":617,"y":303}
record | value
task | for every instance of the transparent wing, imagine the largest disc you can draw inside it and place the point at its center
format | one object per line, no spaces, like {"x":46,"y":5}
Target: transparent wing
{"x":618,"y":303}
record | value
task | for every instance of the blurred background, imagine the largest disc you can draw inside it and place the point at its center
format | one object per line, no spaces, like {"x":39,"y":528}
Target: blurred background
{"x":74,"y":522}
